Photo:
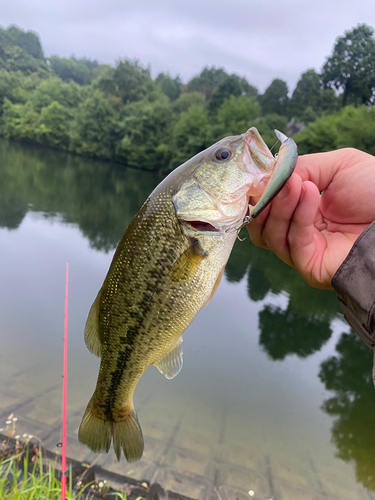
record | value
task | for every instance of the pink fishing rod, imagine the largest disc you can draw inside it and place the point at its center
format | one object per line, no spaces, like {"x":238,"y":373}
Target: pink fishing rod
{"x":63,"y":457}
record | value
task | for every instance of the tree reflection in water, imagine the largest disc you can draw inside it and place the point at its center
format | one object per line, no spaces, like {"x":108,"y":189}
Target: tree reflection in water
{"x":304,"y":326}
{"x":102,"y":199}
{"x":349,"y":375}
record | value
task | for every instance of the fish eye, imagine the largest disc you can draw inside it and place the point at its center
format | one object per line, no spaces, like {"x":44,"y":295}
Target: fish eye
{"x":223,"y":154}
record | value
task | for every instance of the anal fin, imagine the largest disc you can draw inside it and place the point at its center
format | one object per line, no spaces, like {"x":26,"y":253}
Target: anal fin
{"x":92,"y":336}
{"x":171,"y":363}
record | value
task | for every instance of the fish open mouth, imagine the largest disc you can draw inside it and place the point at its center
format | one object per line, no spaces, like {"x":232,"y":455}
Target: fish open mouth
{"x":202,"y":227}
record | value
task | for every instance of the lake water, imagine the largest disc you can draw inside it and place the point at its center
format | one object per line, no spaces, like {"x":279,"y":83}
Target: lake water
{"x":275,"y":396}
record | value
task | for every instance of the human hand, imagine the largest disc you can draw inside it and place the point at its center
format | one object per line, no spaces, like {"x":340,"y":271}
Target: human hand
{"x":314,"y":232}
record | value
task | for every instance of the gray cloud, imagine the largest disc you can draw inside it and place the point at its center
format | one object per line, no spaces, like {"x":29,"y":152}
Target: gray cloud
{"x":258,"y":40}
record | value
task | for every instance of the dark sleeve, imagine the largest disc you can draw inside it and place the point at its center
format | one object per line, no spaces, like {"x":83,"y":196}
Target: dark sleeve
{"x":354,"y":282}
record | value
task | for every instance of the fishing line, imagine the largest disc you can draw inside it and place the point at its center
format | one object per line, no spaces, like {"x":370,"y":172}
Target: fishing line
{"x":274,"y":145}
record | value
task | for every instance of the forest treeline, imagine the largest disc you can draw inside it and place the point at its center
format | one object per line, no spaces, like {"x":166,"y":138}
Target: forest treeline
{"x":124,"y":115}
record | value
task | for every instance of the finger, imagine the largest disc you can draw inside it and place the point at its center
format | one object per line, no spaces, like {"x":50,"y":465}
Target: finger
{"x":305,"y":243}
{"x":276,"y":228}
{"x":256,"y":226}
{"x":320,"y":168}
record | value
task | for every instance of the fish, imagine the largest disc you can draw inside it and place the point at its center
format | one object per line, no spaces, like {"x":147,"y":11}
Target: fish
{"x":167,"y":266}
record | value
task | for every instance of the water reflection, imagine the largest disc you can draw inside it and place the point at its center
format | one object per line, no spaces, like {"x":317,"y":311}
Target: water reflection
{"x":101,"y":200}
{"x":97,"y":196}
{"x":304,"y":326}
{"x":349,"y":375}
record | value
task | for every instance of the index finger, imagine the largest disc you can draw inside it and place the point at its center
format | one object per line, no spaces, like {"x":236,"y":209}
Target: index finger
{"x":320,"y":168}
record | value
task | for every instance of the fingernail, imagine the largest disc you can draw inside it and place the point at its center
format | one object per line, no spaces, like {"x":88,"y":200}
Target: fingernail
{"x":284,"y":192}
{"x":303,"y":192}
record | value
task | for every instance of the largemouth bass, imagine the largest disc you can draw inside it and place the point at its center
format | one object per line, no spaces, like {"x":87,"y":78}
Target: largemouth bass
{"x":167,"y":266}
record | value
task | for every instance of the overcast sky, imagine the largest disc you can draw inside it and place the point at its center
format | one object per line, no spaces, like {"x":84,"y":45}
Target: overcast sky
{"x":258,"y":39}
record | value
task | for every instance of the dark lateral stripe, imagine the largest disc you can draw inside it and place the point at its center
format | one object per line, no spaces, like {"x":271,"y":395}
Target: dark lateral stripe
{"x":152,"y":289}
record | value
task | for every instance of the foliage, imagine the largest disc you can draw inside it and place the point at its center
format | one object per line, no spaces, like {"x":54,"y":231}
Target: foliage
{"x":231,"y":85}
{"x":190,"y":135}
{"x":21,"y":51}
{"x":351,"y":127}
{"x":19,"y":481}
{"x":185,"y":101}
{"x":235,"y":115}
{"x":129,"y":81}
{"x":143,"y":129}
{"x":207,"y":81}
{"x":351,"y":67}
{"x":121,"y":114}
{"x":309,"y":99}
{"x":96,"y":127}
{"x":78,"y":70}
{"x":321,"y":135}
{"x":54,"y":126}
{"x":275,"y":98}
{"x":169,"y":86}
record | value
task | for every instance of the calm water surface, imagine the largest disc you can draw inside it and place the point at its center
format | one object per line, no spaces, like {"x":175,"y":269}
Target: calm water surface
{"x":275,"y":395}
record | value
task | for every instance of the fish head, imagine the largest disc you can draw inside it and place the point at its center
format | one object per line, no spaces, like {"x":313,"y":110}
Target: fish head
{"x":218,"y":183}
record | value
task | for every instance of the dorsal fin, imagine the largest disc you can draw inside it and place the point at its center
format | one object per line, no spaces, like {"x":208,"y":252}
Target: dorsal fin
{"x":171,"y":363}
{"x":92,"y":336}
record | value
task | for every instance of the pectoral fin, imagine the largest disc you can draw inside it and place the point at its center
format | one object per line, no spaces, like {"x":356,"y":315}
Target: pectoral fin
{"x":92,"y":337}
{"x":170,"y":365}
{"x":216,"y":286}
{"x":187,"y":264}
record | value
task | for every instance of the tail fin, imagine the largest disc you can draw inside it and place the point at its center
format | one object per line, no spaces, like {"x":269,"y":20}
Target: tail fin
{"x":127,"y":434}
{"x":97,"y":433}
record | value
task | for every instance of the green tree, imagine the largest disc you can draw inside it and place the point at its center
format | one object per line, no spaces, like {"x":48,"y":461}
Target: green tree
{"x":207,"y":81}
{"x":54,"y":125}
{"x":72,"y":69}
{"x":129,"y":81}
{"x":27,"y":40}
{"x":145,"y":134}
{"x":321,"y":135}
{"x":169,"y":86}
{"x":306,"y":93}
{"x":21,"y":51}
{"x":20,"y":121}
{"x":351,"y":67}
{"x":275,"y":99}
{"x":189,"y":135}
{"x":96,"y":127}
{"x":351,"y":127}
{"x":232,"y":85}
{"x":185,"y":101}
{"x":53,"y":89}
{"x":235,"y":116}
